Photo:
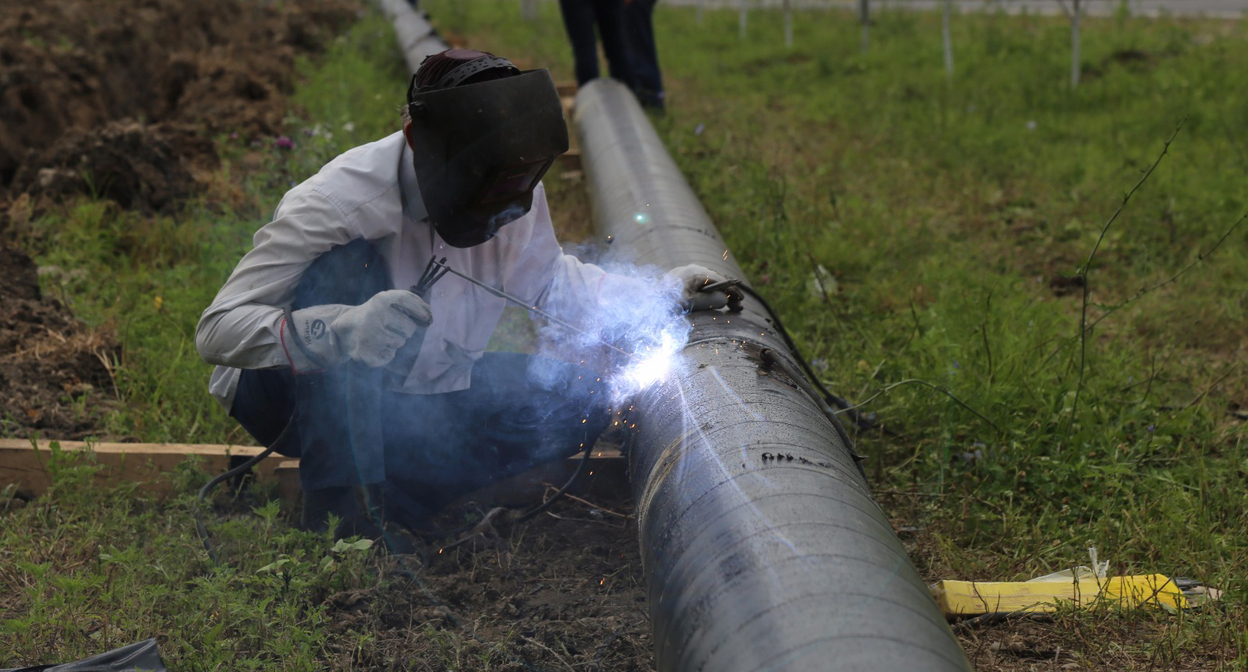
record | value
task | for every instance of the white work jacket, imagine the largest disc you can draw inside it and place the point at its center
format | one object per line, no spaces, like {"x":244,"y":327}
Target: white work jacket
{"x":370,"y":192}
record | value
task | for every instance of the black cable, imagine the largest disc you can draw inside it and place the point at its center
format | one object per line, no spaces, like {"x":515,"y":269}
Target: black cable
{"x":861,"y":421}
{"x":558,"y":493}
{"x":580,"y":468}
{"x":202,"y":529}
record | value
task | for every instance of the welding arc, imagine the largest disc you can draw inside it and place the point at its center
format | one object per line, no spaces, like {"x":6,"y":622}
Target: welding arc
{"x":527,"y":306}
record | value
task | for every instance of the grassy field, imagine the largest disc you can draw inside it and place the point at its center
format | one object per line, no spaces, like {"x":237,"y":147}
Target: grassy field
{"x":954,"y":225}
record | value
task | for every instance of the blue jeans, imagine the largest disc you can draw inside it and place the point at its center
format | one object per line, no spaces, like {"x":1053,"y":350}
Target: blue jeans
{"x":579,"y":17}
{"x":642,"y":52}
{"x":422,"y":451}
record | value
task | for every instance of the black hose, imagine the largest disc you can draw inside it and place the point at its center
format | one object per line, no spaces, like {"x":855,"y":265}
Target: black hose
{"x":560,"y":492}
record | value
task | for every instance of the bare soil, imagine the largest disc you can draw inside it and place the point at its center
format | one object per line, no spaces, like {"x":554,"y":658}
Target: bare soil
{"x":120,"y":100}
{"x":51,"y":365}
{"x":564,"y":590}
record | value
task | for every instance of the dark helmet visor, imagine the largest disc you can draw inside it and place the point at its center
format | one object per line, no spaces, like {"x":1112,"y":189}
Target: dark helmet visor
{"x":480,"y":150}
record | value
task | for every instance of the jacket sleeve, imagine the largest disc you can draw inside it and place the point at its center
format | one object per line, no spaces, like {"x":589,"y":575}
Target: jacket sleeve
{"x":242,"y":327}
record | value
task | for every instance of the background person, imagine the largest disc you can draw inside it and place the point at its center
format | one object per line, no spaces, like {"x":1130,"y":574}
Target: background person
{"x":643,"y":55}
{"x":579,"y":19}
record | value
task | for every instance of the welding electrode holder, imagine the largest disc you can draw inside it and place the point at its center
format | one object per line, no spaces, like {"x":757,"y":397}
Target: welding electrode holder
{"x":405,"y":357}
{"x":714,"y":296}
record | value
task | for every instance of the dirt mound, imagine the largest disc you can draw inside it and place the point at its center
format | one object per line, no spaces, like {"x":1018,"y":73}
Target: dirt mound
{"x":69,"y":65}
{"x":141,"y":167}
{"x":121,"y":100}
{"x":54,"y":376}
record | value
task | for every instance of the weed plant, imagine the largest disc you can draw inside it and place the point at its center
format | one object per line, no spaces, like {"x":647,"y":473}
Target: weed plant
{"x":91,"y":568}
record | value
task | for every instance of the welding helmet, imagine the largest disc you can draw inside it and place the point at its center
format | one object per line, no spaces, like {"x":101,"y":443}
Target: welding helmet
{"x":483,"y":134}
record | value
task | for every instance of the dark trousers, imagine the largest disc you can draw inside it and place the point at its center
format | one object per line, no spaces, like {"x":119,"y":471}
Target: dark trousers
{"x":642,"y":52}
{"x":579,"y":17}
{"x":419,"y":451}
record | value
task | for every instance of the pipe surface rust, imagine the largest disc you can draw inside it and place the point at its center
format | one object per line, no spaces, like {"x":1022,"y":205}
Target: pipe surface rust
{"x":763,"y":548}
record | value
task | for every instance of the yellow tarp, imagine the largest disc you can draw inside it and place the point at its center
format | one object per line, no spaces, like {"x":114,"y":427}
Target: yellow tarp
{"x":972,"y":598}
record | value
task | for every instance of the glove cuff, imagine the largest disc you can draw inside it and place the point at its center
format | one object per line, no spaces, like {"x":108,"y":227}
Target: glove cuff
{"x":309,"y":343}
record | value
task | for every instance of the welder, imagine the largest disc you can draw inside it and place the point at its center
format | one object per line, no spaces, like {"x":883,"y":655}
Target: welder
{"x":306,"y":329}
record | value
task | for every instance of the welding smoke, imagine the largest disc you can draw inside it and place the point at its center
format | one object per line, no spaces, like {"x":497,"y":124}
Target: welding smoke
{"x":630,"y":307}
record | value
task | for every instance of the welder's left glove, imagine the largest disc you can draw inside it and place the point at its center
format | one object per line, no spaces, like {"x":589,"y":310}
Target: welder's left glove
{"x":693,"y":278}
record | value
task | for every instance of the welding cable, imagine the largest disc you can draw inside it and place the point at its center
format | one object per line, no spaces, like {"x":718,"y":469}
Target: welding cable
{"x":202,"y":529}
{"x":861,"y":421}
{"x":770,"y":358}
{"x":580,"y":468}
{"x":563,"y":489}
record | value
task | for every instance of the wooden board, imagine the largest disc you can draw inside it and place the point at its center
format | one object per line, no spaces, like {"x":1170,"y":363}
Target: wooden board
{"x":153,"y":464}
{"x":150,"y":464}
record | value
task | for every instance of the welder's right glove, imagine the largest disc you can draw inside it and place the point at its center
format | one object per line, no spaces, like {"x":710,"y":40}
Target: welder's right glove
{"x":322,"y":336}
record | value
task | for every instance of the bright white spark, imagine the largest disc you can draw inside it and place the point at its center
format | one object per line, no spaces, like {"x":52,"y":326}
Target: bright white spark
{"x":650,"y":365}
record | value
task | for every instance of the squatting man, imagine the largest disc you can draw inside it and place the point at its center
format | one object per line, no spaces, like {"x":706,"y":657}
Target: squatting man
{"x":386,"y":395}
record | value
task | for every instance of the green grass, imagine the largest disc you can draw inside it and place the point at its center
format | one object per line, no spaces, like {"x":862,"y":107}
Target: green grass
{"x":88,"y":569}
{"x":944,"y":209}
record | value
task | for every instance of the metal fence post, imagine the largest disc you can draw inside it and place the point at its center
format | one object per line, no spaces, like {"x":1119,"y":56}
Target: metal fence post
{"x":788,"y":23}
{"x":864,"y":13}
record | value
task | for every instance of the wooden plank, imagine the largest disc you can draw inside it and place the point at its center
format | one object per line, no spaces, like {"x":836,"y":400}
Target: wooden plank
{"x":149,"y":464}
{"x":153,"y":464}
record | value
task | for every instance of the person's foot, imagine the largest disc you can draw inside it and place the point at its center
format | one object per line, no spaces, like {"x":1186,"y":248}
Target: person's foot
{"x":652,"y":101}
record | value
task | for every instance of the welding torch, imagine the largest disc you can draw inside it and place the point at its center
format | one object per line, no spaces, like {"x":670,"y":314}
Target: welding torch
{"x":527,"y":306}
{"x":713,"y":296}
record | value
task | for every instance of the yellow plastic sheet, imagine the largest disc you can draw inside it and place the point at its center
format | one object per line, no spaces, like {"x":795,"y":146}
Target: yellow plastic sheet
{"x":973,"y":598}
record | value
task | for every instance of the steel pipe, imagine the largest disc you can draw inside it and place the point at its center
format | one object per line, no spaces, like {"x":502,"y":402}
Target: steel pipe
{"x":762,"y":546}
{"x":416,"y":36}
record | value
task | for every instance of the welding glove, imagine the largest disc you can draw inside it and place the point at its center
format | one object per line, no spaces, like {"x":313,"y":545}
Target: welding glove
{"x":369,"y":333}
{"x":693,"y":277}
